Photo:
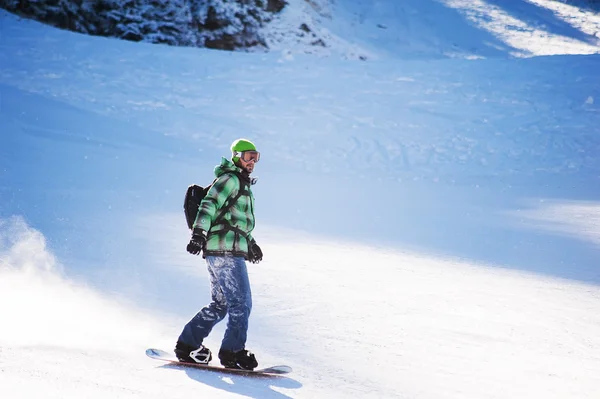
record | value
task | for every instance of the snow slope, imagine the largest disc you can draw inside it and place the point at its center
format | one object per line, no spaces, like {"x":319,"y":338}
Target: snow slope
{"x":429,"y":29}
{"x":431,"y":226}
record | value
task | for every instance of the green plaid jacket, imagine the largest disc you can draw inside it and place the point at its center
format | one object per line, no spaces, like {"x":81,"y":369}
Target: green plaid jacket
{"x":229,"y":228}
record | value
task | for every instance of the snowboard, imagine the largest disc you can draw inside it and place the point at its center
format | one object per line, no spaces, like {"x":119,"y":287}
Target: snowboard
{"x":170,"y":358}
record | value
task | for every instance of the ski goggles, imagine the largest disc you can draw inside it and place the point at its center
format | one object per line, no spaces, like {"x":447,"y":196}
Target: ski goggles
{"x":248,"y":156}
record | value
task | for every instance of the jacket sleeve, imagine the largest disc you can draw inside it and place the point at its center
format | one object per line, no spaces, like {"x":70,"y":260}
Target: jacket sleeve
{"x":225,"y":187}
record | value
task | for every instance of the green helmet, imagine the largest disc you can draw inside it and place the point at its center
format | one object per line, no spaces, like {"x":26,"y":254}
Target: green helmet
{"x":241,"y":145}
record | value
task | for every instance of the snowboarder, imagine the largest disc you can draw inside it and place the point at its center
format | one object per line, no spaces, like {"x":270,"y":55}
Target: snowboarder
{"x":223,"y":232}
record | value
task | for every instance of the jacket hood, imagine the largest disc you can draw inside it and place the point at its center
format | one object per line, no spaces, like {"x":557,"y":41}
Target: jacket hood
{"x":226,"y":166}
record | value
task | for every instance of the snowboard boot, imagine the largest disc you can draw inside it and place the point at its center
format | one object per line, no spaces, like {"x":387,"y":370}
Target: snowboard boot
{"x":189,"y":354}
{"x":243,"y":359}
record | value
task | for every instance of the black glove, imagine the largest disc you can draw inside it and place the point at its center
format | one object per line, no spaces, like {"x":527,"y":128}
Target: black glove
{"x":197,"y":242}
{"x":255,"y":254}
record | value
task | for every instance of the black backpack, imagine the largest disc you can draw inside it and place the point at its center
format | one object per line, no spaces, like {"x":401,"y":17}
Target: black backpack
{"x":193,"y":196}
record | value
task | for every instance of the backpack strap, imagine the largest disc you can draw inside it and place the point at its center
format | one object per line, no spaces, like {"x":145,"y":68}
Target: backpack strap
{"x":219,"y":219}
{"x":227,"y":227}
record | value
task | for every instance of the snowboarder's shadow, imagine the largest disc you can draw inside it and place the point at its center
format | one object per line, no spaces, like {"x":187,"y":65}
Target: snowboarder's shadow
{"x":253,"y":386}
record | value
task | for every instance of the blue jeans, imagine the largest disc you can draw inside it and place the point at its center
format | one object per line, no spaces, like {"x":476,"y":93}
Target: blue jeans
{"x":231,"y":295}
